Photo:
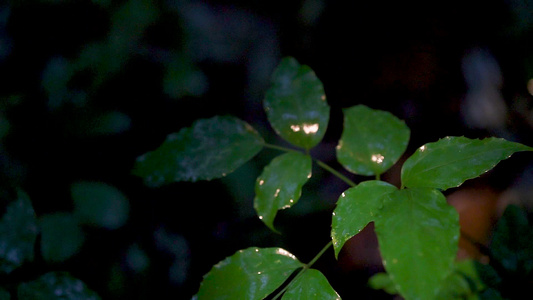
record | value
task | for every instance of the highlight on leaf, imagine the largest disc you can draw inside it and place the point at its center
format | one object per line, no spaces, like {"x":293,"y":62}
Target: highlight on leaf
{"x":209,"y":149}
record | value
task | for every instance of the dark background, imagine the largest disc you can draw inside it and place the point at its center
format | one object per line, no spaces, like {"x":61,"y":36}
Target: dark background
{"x":88,"y":86}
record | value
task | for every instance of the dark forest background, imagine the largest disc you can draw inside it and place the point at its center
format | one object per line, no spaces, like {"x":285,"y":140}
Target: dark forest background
{"x":88,"y":86}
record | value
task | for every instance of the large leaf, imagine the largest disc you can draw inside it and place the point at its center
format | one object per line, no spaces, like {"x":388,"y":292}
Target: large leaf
{"x":210,"y":148}
{"x":357,"y":207}
{"x":18,"y":232}
{"x":56,"y":285}
{"x":296,"y":104}
{"x":252,"y":273}
{"x":280,"y":185}
{"x":312,"y":284}
{"x":99,"y":204}
{"x":372,"y":140}
{"x":418,"y":234}
{"x":451,"y":161}
{"x":61,"y":236}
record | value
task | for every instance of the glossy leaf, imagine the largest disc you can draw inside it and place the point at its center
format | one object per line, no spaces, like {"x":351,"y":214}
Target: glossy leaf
{"x":280,"y":185}
{"x":418,"y":234}
{"x":61,"y":236}
{"x":372,"y":140}
{"x":252,"y":273}
{"x":210,"y":148}
{"x":56,"y":285}
{"x":512,"y":242}
{"x":451,"y":161}
{"x":99,"y":204}
{"x":312,"y":284}
{"x":296,"y":104}
{"x":357,"y":207}
{"x":18,"y":232}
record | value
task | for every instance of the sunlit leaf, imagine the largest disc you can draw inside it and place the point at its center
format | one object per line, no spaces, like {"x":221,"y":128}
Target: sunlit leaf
{"x":372,"y":140}
{"x":418,"y":234}
{"x":99,"y":204}
{"x":280,"y":185}
{"x":512,"y":242}
{"x":210,"y":148}
{"x":56,"y":285}
{"x":312,"y":284}
{"x":18,"y":232}
{"x":251,"y":273}
{"x":357,"y":207}
{"x":61,"y":236}
{"x":296,"y":104}
{"x":451,"y":161}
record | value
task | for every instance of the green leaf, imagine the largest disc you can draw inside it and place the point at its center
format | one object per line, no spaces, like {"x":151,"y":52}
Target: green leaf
{"x":296,"y":104}
{"x":463,"y":283}
{"x":418,"y":234}
{"x":382,"y":281}
{"x":61,"y":236}
{"x":512,"y":244}
{"x":18,"y":232}
{"x":357,"y":207}
{"x":280,"y":185}
{"x":372,"y":140}
{"x":451,"y":161}
{"x":251,"y":273}
{"x":312,"y":284}
{"x":99,"y":204}
{"x":210,"y":148}
{"x":56,"y":285}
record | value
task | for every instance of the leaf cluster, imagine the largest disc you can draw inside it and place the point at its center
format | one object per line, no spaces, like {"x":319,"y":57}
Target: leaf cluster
{"x":417,"y":229}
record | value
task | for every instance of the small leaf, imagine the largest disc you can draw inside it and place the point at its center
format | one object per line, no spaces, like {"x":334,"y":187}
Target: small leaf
{"x":512,"y":244}
{"x":252,"y":273}
{"x":312,"y":284}
{"x":61,"y":236}
{"x":280,"y":185}
{"x":372,"y":140}
{"x":99,"y":204}
{"x":56,"y":285}
{"x":418,"y":234}
{"x":382,"y":281}
{"x":451,"y":161}
{"x":357,"y":207}
{"x":18,"y":232}
{"x":4,"y":294}
{"x":210,"y":148}
{"x":296,"y":104}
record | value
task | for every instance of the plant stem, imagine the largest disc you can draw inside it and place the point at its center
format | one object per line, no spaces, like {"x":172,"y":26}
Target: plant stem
{"x":336,"y":173}
{"x":302,"y":271}
{"x":281,"y":148}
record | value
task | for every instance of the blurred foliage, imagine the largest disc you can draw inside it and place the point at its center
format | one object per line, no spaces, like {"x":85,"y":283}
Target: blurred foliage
{"x":87,"y":86}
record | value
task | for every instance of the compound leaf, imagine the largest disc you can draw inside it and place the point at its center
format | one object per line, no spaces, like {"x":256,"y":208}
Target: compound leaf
{"x":280,"y":185}
{"x":372,"y":140}
{"x":357,"y":207}
{"x":312,"y":284}
{"x":18,"y":232}
{"x":210,"y":148}
{"x":251,"y":273}
{"x":451,"y":161}
{"x":418,"y":234}
{"x":296,"y":104}
{"x":56,"y":285}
